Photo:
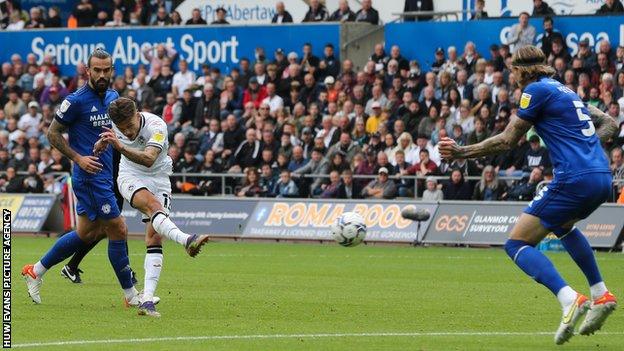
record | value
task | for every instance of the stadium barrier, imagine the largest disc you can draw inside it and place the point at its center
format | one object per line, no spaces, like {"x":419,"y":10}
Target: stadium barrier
{"x":431,"y":35}
{"x":34,"y":213}
{"x":451,"y":222}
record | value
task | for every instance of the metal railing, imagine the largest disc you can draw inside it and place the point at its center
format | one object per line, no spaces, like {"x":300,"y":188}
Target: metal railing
{"x":224,"y":187}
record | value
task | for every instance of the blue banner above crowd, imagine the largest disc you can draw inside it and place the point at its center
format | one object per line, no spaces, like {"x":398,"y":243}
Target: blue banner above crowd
{"x":221,"y":47}
{"x":419,"y":40}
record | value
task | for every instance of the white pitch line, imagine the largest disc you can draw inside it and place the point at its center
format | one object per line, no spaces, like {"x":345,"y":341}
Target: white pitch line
{"x":282,"y":336}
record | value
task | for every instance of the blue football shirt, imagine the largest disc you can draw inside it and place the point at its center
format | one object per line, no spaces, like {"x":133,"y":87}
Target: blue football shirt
{"x":84,"y":113}
{"x":563,"y":122}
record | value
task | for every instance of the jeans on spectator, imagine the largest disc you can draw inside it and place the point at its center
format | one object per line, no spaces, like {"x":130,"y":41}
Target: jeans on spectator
{"x":404,"y":191}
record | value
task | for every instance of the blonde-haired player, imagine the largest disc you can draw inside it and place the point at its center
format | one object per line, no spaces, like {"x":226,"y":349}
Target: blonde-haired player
{"x":143,"y":181}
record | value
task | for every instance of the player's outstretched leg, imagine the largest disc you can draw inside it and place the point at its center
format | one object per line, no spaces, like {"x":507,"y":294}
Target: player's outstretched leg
{"x":603,"y":302}
{"x":64,"y":247}
{"x":539,"y":267}
{"x":166,"y":228}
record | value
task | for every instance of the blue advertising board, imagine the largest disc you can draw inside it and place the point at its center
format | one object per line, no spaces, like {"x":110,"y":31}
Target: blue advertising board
{"x":222,"y":46}
{"x":418,"y":40}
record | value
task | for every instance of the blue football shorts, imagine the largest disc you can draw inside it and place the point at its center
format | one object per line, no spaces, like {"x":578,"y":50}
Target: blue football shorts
{"x":96,"y":198}
{"x":575,"y":197}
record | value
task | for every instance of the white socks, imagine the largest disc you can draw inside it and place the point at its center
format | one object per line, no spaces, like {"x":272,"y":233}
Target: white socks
{"x":597,"y":290}
{"x":166,"y":228}
{"x":39,"y":269}
{"x":566,"y":297}
{"x":153,"y":266}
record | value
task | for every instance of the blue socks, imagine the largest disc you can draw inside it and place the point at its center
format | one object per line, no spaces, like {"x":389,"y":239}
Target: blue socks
{"x":64,"y":247}
{"x":535,"y":264}
{"x":577,"y":246}
{"x":118,"y":256}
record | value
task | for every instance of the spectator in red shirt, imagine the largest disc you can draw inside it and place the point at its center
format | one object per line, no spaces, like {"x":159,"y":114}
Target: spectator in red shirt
{"x":254,"y":93}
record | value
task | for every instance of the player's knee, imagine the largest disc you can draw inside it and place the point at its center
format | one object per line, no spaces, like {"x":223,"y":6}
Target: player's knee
{"x":153,"y":206}
{"x":117,"y":230}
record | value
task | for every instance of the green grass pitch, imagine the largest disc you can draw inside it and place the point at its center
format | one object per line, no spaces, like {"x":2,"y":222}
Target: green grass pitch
{"x":251,"y":296}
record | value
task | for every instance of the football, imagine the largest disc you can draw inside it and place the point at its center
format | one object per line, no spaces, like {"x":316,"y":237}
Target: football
{"x":349,"y":229}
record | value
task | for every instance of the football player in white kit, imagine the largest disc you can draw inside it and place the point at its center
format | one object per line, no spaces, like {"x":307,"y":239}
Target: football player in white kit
{"x":143,"y":181}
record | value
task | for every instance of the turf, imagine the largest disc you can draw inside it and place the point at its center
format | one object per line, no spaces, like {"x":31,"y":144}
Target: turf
{"x":242,"y":289}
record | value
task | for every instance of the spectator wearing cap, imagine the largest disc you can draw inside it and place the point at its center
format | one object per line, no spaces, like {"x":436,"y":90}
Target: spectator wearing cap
{"x":254,"y":93}
{"x":610,"y":7}
{"x":536,"y":155}
{"x":521,"y":33}
{"x":439,"y":60}
{"x":432,"y":193}
{"x":281,"y":15}
{"x":220,"y":18}
{"x":479,"y":12}
{"x":418,"y":6}
{"x":316,"y":12}
{"x":375,"y":118}
{"x":380,"y":188}
{"x":587,"y":55}
{"x":343,"y":13}
{"x":30,"y":121}
{"x":367,"y":13}
{"x":196,"y":18}
{"x":280,"y":61}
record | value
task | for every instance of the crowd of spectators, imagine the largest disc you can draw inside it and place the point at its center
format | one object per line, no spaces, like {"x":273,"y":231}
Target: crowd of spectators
{"x":117,"y":13}
{"x":300,"y":125}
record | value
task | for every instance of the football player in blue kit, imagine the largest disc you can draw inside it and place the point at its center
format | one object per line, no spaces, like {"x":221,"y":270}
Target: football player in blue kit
{"x":82,"y":116}
{"x":582,"y":181}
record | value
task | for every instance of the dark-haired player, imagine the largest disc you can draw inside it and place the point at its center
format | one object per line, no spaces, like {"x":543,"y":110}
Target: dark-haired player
{"x":82,"y":115}
{"x":582,"y":182}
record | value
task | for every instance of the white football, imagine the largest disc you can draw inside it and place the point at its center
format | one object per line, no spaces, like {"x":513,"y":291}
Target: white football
{"x":349,"y":229}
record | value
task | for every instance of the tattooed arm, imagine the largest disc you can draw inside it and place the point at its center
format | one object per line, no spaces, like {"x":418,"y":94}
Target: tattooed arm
{"x":55,"y":136}
{"x":497,"y":144}
{"x":606,"y":127}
